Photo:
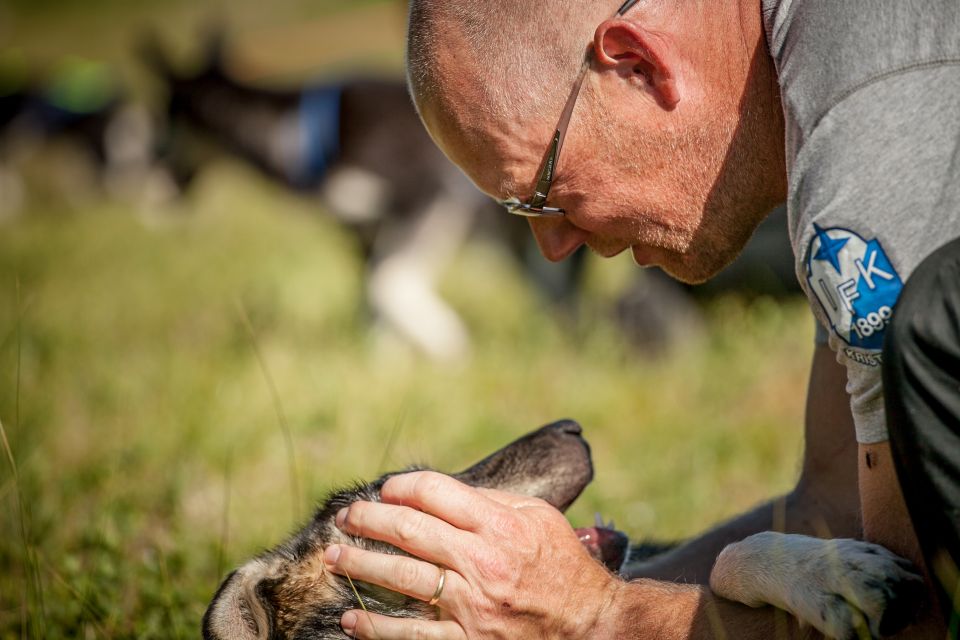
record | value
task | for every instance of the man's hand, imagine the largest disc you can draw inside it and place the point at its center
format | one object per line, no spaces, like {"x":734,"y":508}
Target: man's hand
{"x":514,"y":567}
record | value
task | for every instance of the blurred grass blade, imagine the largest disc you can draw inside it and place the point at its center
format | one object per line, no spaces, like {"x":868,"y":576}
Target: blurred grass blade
{"x":33,"y":578}
{"x":278,"y":407}
{"x":92,"y":611}
{"x":392,"y":439}
{"x":225,"y":521}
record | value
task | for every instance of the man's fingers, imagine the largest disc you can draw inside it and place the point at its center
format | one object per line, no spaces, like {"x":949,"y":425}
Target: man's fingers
{"x":409,"y":576}
{"x":442,"y":496}
{"x":417,"y":533}
{"x":372,"y":626}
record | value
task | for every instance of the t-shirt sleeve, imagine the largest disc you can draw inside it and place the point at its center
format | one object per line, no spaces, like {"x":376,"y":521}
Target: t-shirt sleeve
{"x":875,"y":189}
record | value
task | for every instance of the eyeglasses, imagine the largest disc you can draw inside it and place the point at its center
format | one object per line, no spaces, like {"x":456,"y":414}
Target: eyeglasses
{"x":536,"y":206}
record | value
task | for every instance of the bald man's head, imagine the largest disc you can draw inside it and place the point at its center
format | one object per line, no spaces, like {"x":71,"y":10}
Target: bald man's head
{"x":487,"y":74}
{"x":518,"y":54}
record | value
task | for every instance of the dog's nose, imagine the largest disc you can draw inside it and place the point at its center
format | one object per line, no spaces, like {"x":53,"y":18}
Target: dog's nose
{"x":571,"y":427}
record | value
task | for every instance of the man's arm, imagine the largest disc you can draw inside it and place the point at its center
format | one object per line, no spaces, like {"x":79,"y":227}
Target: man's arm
{"x":825,"y":502}
{"x":665,"y":611}
{"x":886,"y":521}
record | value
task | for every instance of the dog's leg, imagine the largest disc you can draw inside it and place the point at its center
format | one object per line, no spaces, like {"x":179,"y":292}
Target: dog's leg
{"x":405,"y":268}
{"x":837,"y":586}
{"x":355,"y":195}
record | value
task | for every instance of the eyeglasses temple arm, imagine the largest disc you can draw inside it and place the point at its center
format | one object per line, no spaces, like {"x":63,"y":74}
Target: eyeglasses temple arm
{"x":572,"y":100}
{"x":545,"y":178}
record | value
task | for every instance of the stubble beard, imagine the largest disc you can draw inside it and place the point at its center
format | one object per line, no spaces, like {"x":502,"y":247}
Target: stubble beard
{"x":681,"y":220}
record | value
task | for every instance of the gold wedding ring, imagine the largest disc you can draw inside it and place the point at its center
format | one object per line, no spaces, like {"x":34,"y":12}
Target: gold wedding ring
{"x":436,"y":594}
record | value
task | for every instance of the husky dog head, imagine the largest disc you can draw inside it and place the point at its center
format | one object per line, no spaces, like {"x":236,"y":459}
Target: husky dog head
{"x":286,"y":593}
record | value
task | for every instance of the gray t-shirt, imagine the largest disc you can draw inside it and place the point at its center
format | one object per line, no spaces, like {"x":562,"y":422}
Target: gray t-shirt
{"x":871,"y":95}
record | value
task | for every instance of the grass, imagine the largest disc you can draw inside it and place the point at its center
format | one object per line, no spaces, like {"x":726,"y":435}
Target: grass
{"x":175,"y":392}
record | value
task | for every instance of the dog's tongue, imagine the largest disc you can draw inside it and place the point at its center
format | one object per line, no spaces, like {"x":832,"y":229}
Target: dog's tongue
{"x":607,"y":546}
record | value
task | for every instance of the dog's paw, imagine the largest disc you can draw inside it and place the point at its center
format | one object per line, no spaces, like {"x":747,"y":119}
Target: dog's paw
{"x":844,"y":588}
{"x":850,"y":587}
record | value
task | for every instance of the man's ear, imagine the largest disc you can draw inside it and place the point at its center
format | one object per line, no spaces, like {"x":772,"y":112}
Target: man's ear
{"x":633,"y":51}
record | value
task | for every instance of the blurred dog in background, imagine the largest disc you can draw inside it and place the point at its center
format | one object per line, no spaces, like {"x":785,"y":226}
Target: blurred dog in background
{"x":359,"y":147}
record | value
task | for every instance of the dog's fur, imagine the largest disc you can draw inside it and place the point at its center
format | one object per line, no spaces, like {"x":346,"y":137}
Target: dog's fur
{"x":841,"y":587}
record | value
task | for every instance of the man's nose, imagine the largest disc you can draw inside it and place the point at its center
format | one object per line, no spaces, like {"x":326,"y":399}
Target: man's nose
{"x":557,"y":237}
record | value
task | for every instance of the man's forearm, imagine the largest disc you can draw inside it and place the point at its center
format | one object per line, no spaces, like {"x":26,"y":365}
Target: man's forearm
{"x":798,"y":512}
{"x":648,"y":610}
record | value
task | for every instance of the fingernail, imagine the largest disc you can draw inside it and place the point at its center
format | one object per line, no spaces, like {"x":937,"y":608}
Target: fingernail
{"x":349,"y":621}
{"x":332,"y":554}
{"x":341,"y":517}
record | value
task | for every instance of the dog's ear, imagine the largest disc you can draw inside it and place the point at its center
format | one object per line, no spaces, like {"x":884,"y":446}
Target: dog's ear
{"x":152,"y":53}
{"x":552,"y":463}
{"x":239,"y":610}
{"x":214,"y":40}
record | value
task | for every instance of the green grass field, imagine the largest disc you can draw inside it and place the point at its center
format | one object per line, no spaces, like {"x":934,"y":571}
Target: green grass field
{"x":150,"y":368}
